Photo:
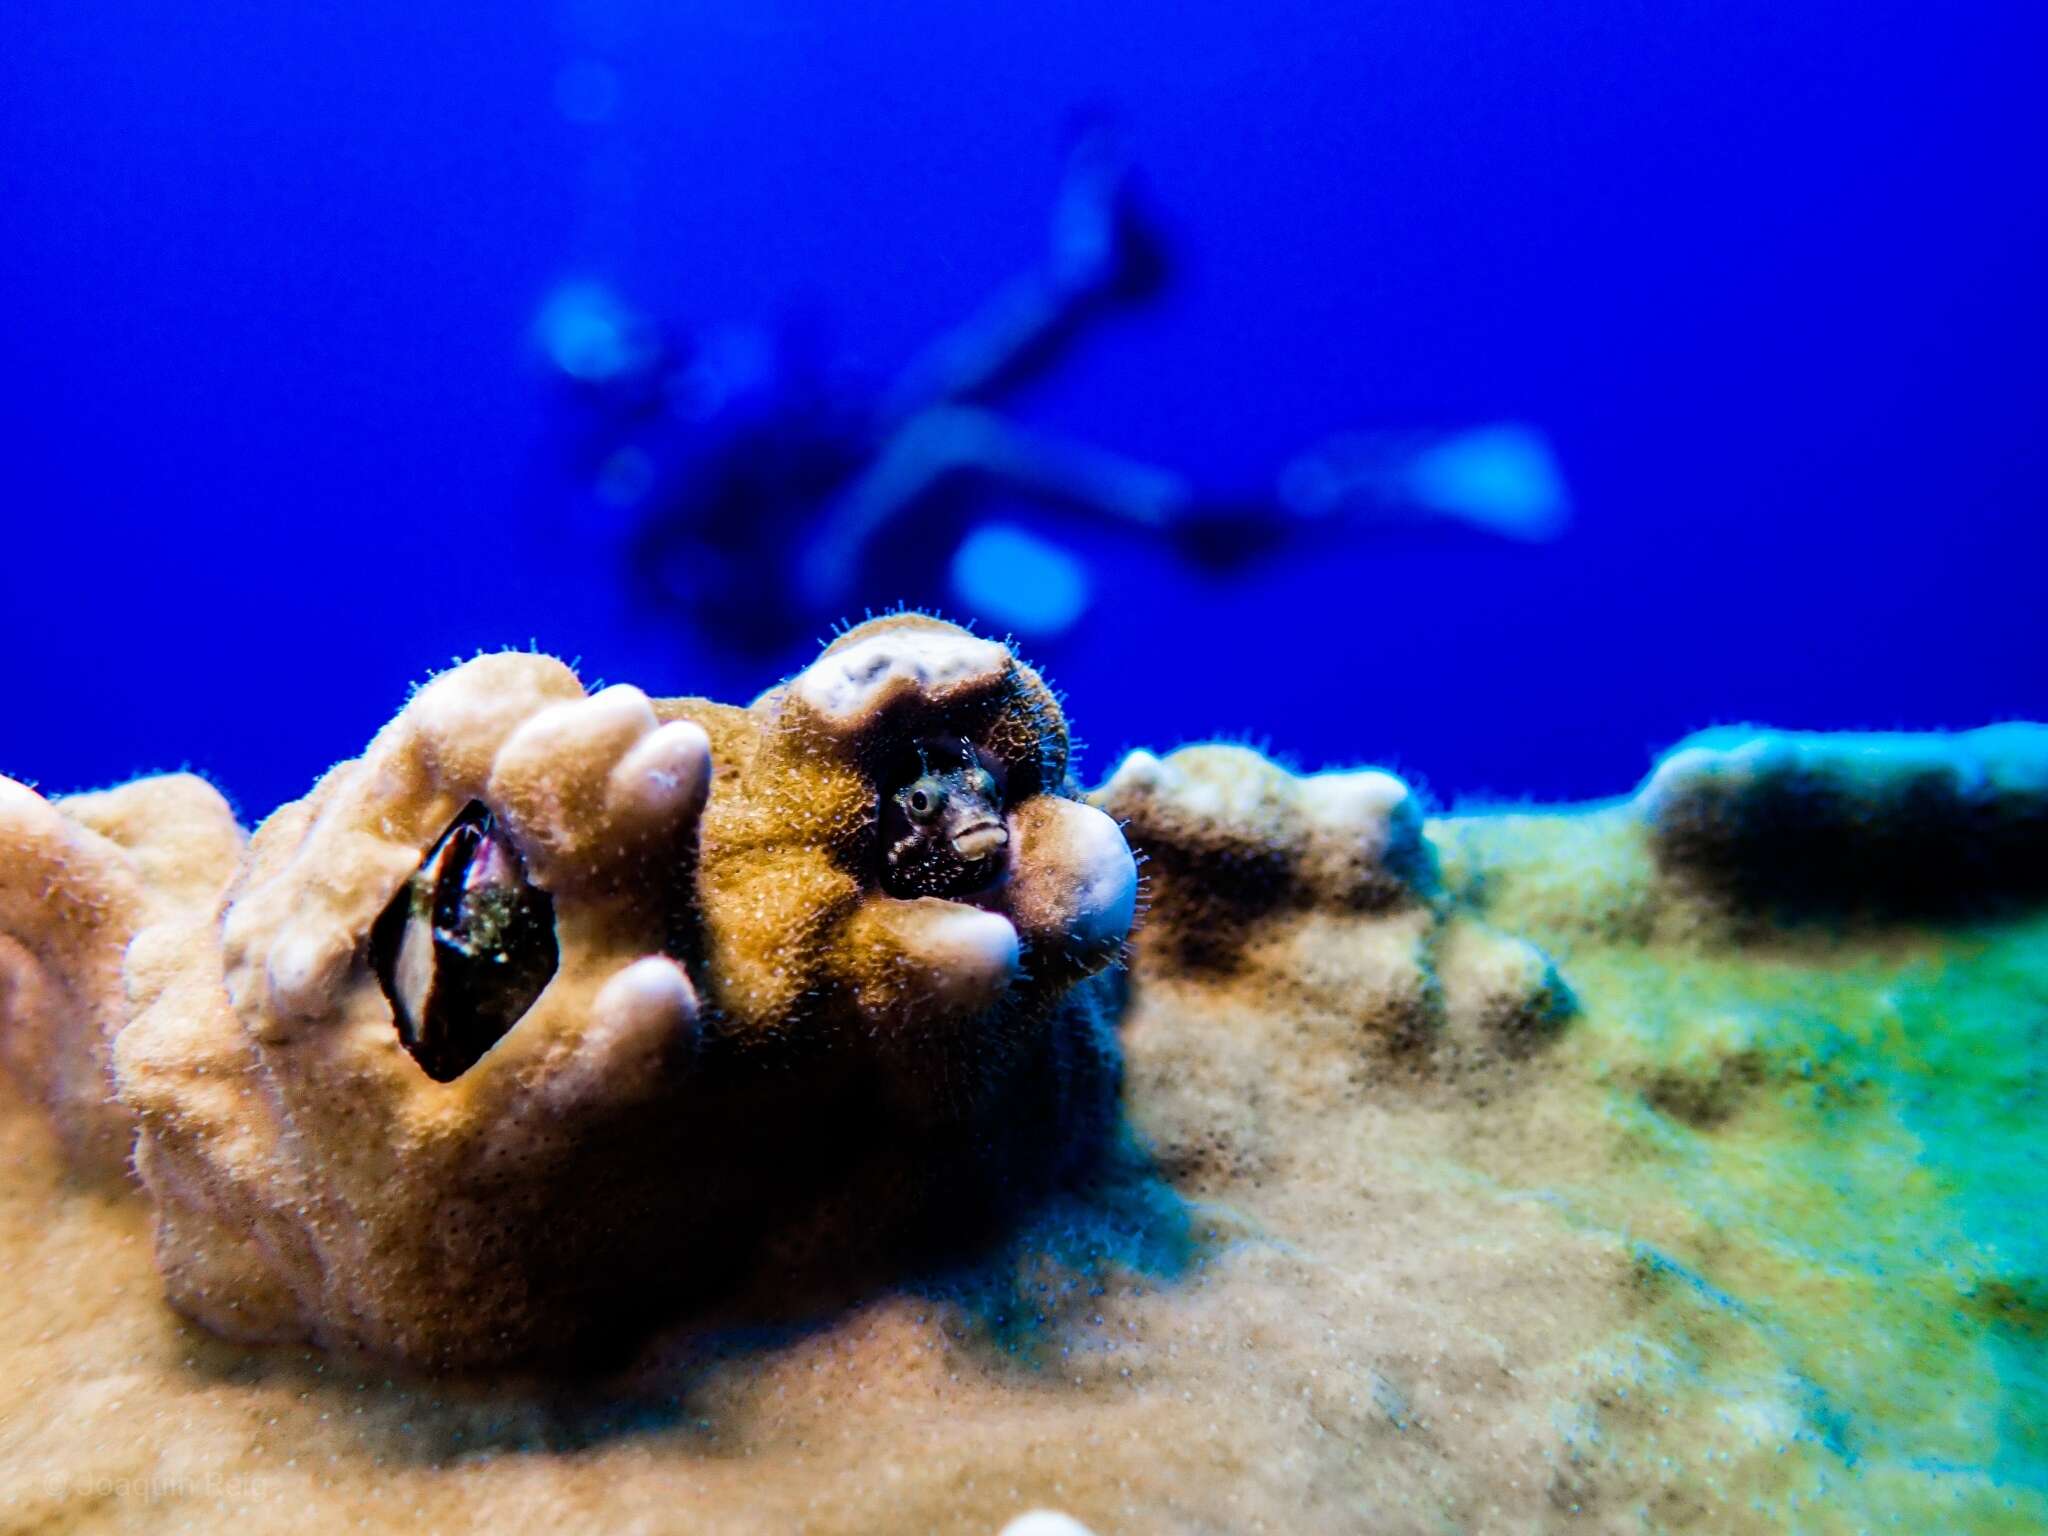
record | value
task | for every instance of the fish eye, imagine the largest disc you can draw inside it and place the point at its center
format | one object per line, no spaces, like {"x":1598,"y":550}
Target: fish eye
{"x":923,"y":799}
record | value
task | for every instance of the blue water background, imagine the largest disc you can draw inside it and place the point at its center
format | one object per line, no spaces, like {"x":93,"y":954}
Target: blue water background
{"x":1769,"y":273}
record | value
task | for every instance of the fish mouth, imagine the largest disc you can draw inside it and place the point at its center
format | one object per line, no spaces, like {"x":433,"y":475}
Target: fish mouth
{"x":981,"y":840}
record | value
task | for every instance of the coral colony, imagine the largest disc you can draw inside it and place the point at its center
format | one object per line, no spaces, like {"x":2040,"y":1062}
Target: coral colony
{"x":791,"y":1115}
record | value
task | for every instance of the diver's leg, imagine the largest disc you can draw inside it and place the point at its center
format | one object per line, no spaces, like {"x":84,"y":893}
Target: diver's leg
{"x":946,"y":442}
{"x":1102,"y":249}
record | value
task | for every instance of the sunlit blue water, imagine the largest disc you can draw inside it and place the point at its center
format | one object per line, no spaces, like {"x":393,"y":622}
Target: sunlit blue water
{"x":1766,"y":277}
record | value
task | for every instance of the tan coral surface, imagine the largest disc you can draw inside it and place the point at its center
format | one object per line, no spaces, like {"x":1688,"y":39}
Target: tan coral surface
{"x":1497,"y":1183}
{"x":337,"y":1153}
{"x":83,"y":875}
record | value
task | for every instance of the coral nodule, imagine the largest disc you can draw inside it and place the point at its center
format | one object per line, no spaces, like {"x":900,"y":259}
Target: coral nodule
{"x":555,"y":1013}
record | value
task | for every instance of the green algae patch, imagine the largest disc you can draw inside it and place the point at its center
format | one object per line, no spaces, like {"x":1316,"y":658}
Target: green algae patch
{"x":1822,"y":1148}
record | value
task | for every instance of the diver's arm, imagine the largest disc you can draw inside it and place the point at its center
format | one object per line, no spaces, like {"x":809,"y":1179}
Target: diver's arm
{"x":1103,"y":249}
{"x":1016,"y":334}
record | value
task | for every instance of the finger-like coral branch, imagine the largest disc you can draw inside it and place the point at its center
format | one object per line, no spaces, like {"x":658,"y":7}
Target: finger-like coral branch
{"x":79,"y":877}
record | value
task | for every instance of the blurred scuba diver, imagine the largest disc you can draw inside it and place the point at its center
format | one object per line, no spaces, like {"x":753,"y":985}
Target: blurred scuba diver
{"x":765,"y":497}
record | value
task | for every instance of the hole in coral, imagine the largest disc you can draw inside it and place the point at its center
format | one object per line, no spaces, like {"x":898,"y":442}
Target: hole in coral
{"x":942,"y":826}
{"x":465,"y":947}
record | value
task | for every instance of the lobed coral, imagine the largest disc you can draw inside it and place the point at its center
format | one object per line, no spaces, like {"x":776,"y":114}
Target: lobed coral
{"x":1301,"y":943}
{"x":1899,"y":824}
{"x":1325,"y":887}
{"x":79,"y":877}
{"x":553,"y":1010}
